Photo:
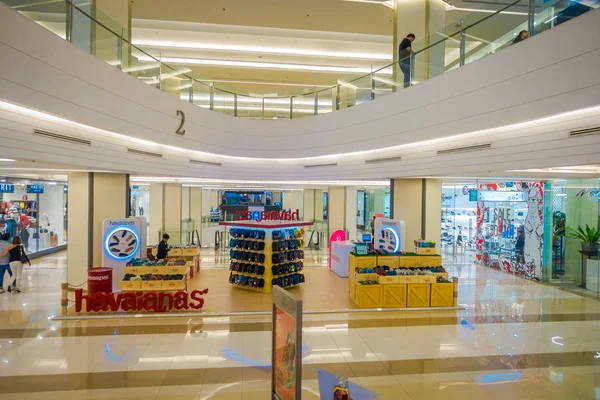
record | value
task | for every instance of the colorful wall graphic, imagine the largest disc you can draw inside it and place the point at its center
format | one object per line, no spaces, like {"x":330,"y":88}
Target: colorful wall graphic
{"x":502,"y":221}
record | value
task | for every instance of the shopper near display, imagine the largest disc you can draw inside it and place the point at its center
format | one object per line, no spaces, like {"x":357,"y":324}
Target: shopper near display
{"x":4,"y":261}
{"x":17,"y":258}
{"x":405,"y":52}
{"x":520,"y":244}
{"x":163,"y":248}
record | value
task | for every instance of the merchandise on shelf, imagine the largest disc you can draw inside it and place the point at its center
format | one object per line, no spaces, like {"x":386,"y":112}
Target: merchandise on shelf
{"x":265,"y":254}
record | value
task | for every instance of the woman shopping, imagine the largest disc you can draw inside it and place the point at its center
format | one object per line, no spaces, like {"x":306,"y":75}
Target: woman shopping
{"x":17,"y":258}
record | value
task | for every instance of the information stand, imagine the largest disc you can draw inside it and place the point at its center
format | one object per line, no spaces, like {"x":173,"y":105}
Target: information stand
{"x":286,"y":379}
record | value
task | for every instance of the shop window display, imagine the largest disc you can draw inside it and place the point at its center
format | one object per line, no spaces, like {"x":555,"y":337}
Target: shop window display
{"x":36,"y":213}
{"x":459,"y":216}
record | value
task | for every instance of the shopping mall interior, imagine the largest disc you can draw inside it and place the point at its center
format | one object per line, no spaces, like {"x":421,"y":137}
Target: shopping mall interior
{"x":280,"y":200}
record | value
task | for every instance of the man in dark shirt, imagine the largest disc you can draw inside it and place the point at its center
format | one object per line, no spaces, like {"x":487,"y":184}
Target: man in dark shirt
{"x":404,"y":54}
{"x":163,"y":248}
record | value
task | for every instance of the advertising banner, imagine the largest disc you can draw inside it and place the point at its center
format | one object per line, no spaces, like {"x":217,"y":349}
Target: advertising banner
{"x":389,"y":235}
{"x":287,"y":346}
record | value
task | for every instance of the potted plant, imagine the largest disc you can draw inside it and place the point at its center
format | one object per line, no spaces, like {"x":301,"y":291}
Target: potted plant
{"x":589,"y":238}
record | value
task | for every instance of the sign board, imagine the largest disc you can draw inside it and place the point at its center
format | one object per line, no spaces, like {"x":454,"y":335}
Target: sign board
{"x":7,"y":188}
{"x":35,"y":189}
{"x":286,"y":378}
{"x":473,"y":195}
{"x":336,"y":236}
{"x":122,"y":240}
{"x":389,"y":235}
{"x":493,"y":195}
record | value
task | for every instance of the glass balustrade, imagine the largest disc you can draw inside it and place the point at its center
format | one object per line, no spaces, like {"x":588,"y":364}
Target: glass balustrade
{"x":472,"y":36}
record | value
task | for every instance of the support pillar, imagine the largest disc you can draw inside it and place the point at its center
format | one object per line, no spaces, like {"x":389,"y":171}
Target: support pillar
{"x":309,"y":205}
{"x":93,"y":197}
{"x":418,"y":202}
{"x":165,"y":212}
{"x":351,"y":207}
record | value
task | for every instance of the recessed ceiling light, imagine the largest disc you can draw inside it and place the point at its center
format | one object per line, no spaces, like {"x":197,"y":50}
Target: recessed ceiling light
{"x":6,"y":160}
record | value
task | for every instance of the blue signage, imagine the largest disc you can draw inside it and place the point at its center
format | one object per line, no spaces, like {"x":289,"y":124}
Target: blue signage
{"x":473,"y":195}
{"x":7,"y":188}
{"x":35,"y":189}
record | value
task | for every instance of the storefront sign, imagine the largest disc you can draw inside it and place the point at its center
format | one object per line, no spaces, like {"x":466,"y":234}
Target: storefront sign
{"x":241,"y":215}
{"x":590,"y":191}
{"x":138,"y":301}
{"x":286,"y":354}
{"x":490,"y":195}
{"x":7,"y":188}
{"x":35,"y":189}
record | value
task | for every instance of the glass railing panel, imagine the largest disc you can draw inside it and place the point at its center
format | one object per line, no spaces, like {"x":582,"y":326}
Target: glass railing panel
{"x":249,"y":107}
{"x":141,"y":64}
{"x":496,"y":32}
{"x":386,"y":80}
{"x":552,"y":14}
{"x":434,"y":60}
{"x":277,"y":107}
{"x":201,"y":93}
{"x":326,"y":100}
{"x":50,"y":15}
{"x":303,"y":106}
{"x":353,"y":91}
{"x":223,"y":102}
{"x":176,"y":80}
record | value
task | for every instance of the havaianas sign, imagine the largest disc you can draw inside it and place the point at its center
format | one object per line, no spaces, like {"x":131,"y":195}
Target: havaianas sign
{"x":242,"y":215}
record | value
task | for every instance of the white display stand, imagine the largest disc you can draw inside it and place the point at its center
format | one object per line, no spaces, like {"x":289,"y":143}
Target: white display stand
{"x":122,"y":240}
{"x":339,"y":257}
{"x":390,"y":235}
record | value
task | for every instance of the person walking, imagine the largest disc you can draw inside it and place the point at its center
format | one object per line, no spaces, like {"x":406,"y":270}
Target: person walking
{"x":17,"y":258}
{"x":4,"y":263}
{"x":163,"y":248}
{"x":405,"y":53}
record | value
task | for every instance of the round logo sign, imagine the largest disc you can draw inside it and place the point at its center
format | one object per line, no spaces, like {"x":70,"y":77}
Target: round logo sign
{"x":122,"y":243}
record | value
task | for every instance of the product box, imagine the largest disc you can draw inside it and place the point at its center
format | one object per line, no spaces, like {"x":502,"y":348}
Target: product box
{"x":387,"y":279}
{"x":176,"y":269}
{"x":151,"y":285}
{"x":361,"y":248}
{"x":131,"y":285}
{"x":173,"y":285}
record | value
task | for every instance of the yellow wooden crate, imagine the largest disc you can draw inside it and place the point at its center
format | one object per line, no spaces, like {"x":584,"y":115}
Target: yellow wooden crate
{"x":134,"y":270}
{"x":365,"y":277}
{"x":175,"y":252}
{"x":418,"y":294}
{"x":390,"y":261}
{"x":442,"y":274}
{"x":151,"y":285}
{"x":425,"y":278}
{"x":131,"y":285}
{"x":173,"y":285}
{"x":426,"y":250}
{"x":431,"y":261}
{"x":192,"y":251}
{"x":442,"y":295}
{"x":369,"y":296}
{"x":386,"y":280}
{"x":362,"y":261}
{"x":409,"y":261}
{"x":408,"y":279}
{"x":394,"y":295}
{"x":176,"y":269}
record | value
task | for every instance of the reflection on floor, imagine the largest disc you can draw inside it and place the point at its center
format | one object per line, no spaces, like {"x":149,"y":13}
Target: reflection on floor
{"x":516,"y":339}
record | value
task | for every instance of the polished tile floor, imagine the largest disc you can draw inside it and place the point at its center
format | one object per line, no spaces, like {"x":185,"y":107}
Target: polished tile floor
{"x":515,"y":339}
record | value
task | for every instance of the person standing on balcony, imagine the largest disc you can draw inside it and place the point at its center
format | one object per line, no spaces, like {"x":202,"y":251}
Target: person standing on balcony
{"x":521,"y":36}
{"x":404,"y":55}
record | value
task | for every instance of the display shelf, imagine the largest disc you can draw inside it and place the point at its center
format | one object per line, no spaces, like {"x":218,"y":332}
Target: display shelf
{"x":268,"y":227}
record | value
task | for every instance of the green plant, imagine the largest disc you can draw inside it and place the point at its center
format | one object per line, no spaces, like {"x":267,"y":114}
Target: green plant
{"x":559,"y":219}
{"x":589,"y":235}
